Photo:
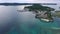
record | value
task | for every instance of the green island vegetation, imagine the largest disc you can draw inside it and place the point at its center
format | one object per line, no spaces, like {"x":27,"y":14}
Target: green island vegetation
{"x":44,"y":10}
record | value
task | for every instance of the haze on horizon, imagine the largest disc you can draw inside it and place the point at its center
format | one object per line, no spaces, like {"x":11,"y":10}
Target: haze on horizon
{"x":30,"y":1}
{"x":34,"y":1}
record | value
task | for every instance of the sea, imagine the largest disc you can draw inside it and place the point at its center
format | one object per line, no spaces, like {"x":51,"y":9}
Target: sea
{"x":24,"y":22}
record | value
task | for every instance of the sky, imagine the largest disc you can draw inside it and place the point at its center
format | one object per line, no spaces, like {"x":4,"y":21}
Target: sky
{"x":34,"y":1}
{"x":31,"y":1}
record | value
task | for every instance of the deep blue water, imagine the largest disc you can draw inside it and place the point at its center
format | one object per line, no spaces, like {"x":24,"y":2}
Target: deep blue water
{"x":14,"y":22}
{"x":28,"y":24}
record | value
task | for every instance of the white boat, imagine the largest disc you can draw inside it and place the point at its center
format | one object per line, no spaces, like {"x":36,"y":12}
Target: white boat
{"x":45,"y":20}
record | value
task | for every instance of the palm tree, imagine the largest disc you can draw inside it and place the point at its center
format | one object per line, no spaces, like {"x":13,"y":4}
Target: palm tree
{"x":38,"y":7}
{"x":49,"y":9}
{"x":34,"y":7}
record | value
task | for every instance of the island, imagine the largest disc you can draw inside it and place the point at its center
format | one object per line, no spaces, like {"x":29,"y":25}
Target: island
{"x":41,"y":12}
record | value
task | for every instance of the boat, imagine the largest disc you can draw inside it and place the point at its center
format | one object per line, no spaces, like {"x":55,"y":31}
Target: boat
{"x":47,"y":20}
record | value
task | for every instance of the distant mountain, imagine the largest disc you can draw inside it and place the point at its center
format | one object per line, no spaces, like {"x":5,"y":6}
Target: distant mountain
{"x":14,"y":4}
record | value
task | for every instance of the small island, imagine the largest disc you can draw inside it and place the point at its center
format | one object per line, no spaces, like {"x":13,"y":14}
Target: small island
{"x":41,"y":12}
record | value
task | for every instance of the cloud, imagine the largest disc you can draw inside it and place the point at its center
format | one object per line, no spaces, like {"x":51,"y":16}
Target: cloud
{"x":38,"y":1}
{"x":31,"y":1}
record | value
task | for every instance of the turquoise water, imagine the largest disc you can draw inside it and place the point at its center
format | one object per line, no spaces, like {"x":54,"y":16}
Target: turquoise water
{"x":28,"y":24}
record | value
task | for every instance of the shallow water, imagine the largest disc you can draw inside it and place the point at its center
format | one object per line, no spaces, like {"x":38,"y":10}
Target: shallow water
{"x":28,"y":24}
{"x":14,"y":22}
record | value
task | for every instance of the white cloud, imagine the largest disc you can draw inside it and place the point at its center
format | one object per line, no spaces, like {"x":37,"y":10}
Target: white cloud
{"x":31,"y":1}
{"x":34,"y":1}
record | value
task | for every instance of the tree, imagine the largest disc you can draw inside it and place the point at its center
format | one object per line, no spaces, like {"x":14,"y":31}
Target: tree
{"x":49,"y":9}
{"x":38,"y":7}
{"x":34,"y":7}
